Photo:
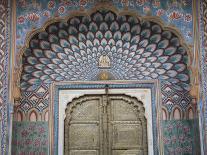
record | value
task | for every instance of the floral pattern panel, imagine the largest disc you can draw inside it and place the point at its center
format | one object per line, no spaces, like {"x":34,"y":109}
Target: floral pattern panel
{"x":33,"y":14}
{"x":30,"y":138}
{"x":180,"y":137}
{"x":137,"y":49}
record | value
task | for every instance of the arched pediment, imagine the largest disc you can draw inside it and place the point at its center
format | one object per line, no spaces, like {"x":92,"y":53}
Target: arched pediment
{"x":139,"y":48}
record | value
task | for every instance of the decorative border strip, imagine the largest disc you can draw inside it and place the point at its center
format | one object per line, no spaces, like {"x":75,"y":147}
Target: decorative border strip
{"x":5,"y":47}
{"x":203,"y":91}
{"x":154,"y":86}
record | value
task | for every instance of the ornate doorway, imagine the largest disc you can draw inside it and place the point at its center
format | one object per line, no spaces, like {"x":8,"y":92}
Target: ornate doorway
{"x":105,"y":125}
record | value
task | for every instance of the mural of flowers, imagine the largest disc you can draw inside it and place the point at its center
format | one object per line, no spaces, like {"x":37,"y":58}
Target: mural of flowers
{"x":30,"y":138}
{"x":24,"y":133}
{"x":160,"y":12}
{"x":156,"y":4}
{"x":61,"y":10}
{"x":181,"y":18}
{"x":188,"y":18}
{"x":51,"y":4}
{"x":46,"y":13}
{"x":140,"y":2}
{"x":20,"y":19}
{"x":175,"y":15}
{"x":178,"y":137}
{"x":33,"y":17}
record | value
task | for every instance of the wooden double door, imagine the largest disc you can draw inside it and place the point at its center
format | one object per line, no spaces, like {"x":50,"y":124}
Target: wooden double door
{"x":105,"y":125}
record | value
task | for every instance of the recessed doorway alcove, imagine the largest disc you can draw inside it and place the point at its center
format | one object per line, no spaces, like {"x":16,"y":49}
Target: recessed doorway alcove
{"x":105,"y":124}
{"x":105,"y":44}
{"x":143,"y":94}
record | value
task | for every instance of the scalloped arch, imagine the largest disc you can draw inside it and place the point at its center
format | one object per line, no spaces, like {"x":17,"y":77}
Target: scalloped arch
{"x":19,"y":116}
{"x":68,"y":49}
{"x":176,"y":113}
{"x":136,"y":103}
{"x":33,"y":116}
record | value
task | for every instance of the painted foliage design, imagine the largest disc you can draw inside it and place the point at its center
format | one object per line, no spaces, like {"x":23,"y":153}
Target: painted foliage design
{"x":138,"y":50}
{"x":30,"y":138}
{"x":179,"y":137}
{"x":34,"y":13}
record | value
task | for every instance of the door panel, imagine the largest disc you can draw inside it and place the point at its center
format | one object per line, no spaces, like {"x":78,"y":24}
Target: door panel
{"x":84,"y":136}
{"x":126,"y":136}
{"x":105,"y":125}
{"x":86,"y":111}
{"x":122,"y":111}
{"x":125,"y":126}
{"x":83,"y":129}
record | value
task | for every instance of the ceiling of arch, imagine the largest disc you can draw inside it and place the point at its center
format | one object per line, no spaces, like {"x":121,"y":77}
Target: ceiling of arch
{"x":137,"y":50}
{"x":34,"y":13}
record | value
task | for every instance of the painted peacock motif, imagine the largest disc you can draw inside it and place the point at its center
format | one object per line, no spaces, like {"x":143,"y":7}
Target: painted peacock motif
{"x":137,"y":49}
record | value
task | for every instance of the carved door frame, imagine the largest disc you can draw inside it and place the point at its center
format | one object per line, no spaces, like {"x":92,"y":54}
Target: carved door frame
{"x":152,"y":85}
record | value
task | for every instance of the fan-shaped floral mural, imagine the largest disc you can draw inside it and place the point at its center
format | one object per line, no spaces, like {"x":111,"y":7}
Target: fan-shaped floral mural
{"x":105,"y":45}
{"x":55,"y":50}
{"x":137,"y":49}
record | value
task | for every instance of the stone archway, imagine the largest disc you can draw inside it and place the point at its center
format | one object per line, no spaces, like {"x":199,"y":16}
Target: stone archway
{"x":129,"y":47}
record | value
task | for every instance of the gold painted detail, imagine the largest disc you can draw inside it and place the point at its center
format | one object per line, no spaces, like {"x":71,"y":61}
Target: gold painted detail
{"x":104,"y":61}
{"x":16,"y":91}
{"x":104,"y":76}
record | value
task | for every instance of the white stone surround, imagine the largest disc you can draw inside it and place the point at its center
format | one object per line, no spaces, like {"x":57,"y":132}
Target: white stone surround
{"x":66,"y":96}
